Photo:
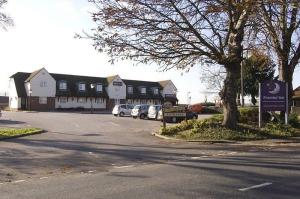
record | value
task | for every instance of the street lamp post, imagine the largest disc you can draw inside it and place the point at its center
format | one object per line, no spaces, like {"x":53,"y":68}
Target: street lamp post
{"x":92,"y":87}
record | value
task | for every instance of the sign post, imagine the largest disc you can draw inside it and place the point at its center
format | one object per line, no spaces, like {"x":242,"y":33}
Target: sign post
{"x":273,"y":96}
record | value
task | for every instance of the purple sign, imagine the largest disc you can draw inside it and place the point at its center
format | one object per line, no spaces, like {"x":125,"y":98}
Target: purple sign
{"x":273,"y":96}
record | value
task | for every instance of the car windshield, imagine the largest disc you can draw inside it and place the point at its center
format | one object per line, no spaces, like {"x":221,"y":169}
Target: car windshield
{"x":137,"y":107}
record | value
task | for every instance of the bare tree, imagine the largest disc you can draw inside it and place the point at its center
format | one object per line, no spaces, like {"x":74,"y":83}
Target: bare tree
{"x":213,"y":77}
{"x":280,"y":25}
{"x":176,"y":34}
{"x":5,"y":20}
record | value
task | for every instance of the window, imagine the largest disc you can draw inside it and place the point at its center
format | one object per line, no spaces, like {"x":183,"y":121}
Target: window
{"x":130,"y":89}
{"x":81,"y":86}
{"x":43,"y":84}
{"x":62,"y":85}
{"x":63,"y":100}
{"x":143,"y":90}
{"x":42,"y":100}
{"x":155,"y":91}
{"x":99,"y":88}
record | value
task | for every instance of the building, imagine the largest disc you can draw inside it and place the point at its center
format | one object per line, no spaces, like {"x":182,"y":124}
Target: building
{"x":296,"y":101}
{"x":3,"y":102}
{"x":44,"y":91}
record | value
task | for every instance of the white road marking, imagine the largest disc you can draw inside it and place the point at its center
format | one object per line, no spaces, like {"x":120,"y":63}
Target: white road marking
{"x":90,"y":152}
{"x":43,"y":178}
{"x":114,"y":124}
{"x":91,"y":171}
{"x":18,"y":181}
{"x":196,"y":158}
{"x":1,"y":183}
{"x":121,"y":167}
{"x":256,"y":186}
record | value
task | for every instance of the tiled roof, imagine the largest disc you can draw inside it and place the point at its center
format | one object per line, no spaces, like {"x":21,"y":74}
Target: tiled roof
{"x":109,"y":79}
{"x":33,"y":74}
{"x":19,"y":79}
{"x":297,"y":91}
{"x":72,"y":85}
{"x":137,"y":85}
{"x":72,"y":81}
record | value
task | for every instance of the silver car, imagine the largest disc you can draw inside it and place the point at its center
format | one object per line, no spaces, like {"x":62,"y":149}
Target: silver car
{"x":153,"y":111}
{"x":140,"y":111}
{"x":122,"y":110}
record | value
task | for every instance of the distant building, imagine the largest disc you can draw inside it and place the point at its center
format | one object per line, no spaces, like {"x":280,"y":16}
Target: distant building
{"x":43,"y":91}
{"x":296,"y":101}
{"x":3,"y":102}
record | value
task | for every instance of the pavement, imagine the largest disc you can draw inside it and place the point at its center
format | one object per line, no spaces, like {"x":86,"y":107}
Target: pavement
{"x":102,"y":156}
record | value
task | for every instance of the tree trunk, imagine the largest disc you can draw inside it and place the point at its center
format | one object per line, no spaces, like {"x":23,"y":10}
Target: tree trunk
{"x":229,"y":94}
{"x":287,"y":76}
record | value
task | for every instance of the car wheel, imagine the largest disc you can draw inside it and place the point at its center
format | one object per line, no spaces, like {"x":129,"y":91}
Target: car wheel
{"x":142,"y":116}
{"x":121,"y":114}
{"x":134,"y":117}
{"x":195,"y":117}
{"x":115,"y":115}
{"x":174,"y":119}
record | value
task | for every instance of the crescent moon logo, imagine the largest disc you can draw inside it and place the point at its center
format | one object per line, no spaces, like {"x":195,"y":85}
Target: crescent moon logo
{"x":276,"y":90}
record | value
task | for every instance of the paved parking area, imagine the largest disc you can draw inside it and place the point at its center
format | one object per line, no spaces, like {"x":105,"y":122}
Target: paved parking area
{"x":77,"y":142}
{"x":81,"y":152}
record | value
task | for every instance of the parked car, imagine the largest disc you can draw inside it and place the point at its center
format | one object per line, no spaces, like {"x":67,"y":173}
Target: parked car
{"x":122,"y":110}
{"x":0,"y":113}
{"x":140,"y":111}
{"x":153,"y":111}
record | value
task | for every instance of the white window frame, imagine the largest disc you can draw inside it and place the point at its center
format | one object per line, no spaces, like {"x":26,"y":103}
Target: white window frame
{"x":99,"y":88}
{"x":43,"y":84}
{"x":43,"y":100}
{"x":81,"y":87}
{"x":155,"y":91}
{"x":63,"y":85}
{"x":143,"y":90}
{"x":130,"y":89}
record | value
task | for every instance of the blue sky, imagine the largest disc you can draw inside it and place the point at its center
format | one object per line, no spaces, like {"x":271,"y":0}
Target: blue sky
{"x":43,"y":36}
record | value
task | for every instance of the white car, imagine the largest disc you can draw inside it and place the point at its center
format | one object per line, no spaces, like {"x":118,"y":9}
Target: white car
{"x":153,"y":111}
{"x":122,"y":110}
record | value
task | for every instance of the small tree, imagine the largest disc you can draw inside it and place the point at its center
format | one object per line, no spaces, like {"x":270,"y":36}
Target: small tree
{"x":257,"y":68}
{"x":5,"y":20}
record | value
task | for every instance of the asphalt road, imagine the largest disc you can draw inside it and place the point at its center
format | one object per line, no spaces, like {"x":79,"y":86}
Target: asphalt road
{"x":100,"y":156}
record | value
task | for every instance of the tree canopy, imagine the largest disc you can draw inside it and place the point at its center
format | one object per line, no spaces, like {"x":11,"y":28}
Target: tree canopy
{"x":176,"y":34}
{"x":5,"y":20}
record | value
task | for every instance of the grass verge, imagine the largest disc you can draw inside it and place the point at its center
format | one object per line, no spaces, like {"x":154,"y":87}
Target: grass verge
{"x":12,"y":132}
{"x":211,"y":129}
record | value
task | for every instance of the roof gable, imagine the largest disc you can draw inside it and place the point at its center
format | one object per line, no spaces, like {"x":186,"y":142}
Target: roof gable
{"x":33,"y":74}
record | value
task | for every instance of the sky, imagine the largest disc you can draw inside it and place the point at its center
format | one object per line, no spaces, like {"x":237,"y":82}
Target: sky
{"x":43,"y":36}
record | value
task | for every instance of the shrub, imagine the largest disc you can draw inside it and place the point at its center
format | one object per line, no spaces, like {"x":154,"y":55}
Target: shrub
{"x":294,"y":120}
{"x":280,"y":130}
{"x":208,"y":104}
{"x":247,"y":115}
{"x":210,"y":110}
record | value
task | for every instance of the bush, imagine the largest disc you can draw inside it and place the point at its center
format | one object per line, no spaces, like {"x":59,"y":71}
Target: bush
{"x":247,"y":115}
{"x":294,"y":120}
{"x":279,"y":130}
{"x":208,"y":104}
{"x":210,"y":110}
